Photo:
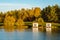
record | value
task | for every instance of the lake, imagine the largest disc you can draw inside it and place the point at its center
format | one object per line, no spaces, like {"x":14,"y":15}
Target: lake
{"x":29,"y":34}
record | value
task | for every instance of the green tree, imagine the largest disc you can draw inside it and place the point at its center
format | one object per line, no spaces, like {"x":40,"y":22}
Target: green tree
{"x":45,"y":12}
{"x":40,"y":21}
{"x":52,"y":15}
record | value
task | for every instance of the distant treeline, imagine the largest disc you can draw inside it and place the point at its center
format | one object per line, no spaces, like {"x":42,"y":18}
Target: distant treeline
{"x":47,"y":14}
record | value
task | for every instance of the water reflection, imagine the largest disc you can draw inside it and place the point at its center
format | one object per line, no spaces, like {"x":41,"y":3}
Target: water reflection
{"x":35,"y":29}
{"x":20,"y":30}
{"x":12,"y":30}
{"x":48,"y":33}
{"x":20,"y":35}
{"x":35,"y":33}
{"x":35,"y":36}
{"x":9,"y":36}
{"x":8,"y":29}
{"x":48,"y":30}
{"x":6,"y":35}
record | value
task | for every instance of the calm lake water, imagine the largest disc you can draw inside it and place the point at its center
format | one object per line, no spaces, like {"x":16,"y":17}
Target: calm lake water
{"x":29,"y":35}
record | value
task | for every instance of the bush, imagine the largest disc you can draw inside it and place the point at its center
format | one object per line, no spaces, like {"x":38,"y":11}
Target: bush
{"x":40,"y":21}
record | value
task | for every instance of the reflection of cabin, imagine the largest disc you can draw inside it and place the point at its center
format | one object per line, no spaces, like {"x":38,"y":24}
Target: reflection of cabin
{"x":48,"y":25}
{"x":35,"y":29}
{"x":35,"y":25}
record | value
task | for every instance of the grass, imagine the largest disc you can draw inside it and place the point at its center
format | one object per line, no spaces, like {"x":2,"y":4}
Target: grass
{"x":44,"y":24}
{"x":55,"y":24}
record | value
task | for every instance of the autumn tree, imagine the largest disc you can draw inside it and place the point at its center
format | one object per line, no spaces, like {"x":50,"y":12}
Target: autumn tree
{"x":24,"y":14}
{"x":37,"y":12}
{"x":30,"y":13}
{"x":1,"y":17}
{"x":9,"y":22}
{"x":20,"y":23}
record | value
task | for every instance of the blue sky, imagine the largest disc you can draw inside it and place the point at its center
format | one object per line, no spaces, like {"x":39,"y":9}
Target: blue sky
{"x":6,"y":5}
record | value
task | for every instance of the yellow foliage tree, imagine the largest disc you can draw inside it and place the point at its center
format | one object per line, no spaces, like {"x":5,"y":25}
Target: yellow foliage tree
{"x":9,"y":22}
{"x":37,"y":12}
{"x":30,"y":12}
{"x":20,"y":23}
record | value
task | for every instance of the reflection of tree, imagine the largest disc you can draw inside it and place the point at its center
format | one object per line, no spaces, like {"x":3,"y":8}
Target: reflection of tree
{"x":9,"y":29}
